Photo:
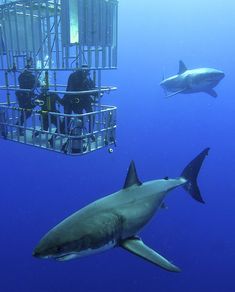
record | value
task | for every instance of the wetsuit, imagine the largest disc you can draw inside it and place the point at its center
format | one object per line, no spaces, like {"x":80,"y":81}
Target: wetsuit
{"x":49,"y":106}
{"x":79,"y":81}
{"x":25,"y":102}
{"x":26,"y":81}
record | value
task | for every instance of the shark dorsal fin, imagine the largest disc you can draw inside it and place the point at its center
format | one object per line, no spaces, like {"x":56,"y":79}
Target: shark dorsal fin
{"x":132,"y":177}
{"x":182,"y":67}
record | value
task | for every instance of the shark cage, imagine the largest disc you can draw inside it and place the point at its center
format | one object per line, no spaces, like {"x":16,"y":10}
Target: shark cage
{"x":53,"y":54}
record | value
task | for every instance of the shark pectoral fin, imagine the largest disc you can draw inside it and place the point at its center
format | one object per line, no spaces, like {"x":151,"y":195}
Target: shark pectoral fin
{"x":212,"y":92}
{"x":174,"y":93}
{"x":136,"y":246}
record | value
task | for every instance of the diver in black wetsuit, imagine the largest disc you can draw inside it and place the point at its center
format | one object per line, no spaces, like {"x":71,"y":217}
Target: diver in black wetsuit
{"x":25,"y":99}
{"x":79,"y":81}
{"x":48,"y":103}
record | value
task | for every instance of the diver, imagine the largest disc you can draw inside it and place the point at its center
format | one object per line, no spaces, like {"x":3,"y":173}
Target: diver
{"x":48,"y":102}
{"x":80,"y":80}
{"x":27,"y":80}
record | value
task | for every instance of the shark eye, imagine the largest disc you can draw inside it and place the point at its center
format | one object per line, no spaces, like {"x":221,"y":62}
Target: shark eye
{"x":58,"y":248}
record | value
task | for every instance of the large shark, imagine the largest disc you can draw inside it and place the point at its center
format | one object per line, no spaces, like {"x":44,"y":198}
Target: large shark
{"x":191,"y":81}
{"x":116,"y":220}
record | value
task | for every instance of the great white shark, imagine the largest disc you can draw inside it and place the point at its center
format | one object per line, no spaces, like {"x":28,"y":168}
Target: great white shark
{"x":116,"y":220}
{"x":192,"y":81}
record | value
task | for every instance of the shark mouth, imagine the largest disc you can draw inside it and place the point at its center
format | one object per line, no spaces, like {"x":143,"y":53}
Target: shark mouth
{"x":66,"y":257}
{"x":212,"y":79}
{"x":82,"y":253}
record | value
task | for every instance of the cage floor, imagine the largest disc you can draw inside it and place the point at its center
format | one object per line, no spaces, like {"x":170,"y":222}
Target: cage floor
{"x":55,"y":142}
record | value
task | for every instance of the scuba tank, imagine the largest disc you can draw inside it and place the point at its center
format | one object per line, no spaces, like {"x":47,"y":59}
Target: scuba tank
{"x":76,"y":131}
{"x":74,"y":143}
{"x":3,"y":127}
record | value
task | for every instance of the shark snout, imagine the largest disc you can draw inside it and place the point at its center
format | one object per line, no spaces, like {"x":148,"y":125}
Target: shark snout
{"x":36,"y":254}
{"x":221,"y":75}
{"x":39,"y":255}
{"x":41,"y":251}
{"x":213,"y":78}
{"x":218,"y":75}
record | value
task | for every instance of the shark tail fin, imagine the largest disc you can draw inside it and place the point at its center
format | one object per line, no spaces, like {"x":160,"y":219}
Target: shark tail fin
{"x":190,"y":173}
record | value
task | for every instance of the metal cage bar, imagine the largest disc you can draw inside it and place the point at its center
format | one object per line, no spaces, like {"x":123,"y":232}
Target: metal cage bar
{"x":77,"y":134}
{"x":47,"y":25}
{"x":32,"y":33}
{"x":43,"y":35}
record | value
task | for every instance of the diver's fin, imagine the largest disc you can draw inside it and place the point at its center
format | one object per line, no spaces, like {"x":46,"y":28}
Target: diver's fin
{"x":132,"y":177}
{"x":190,"y":173}
{"x":182,"y":67}
{"x":174,"y":93}
{"x":212,"y":92}
{"x":136,"y":246}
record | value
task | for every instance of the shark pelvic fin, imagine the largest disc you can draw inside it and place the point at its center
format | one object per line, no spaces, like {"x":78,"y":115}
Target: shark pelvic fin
{"x":212,"y":92}
{"x":182,"y":67}
{"x":190,"y":173}
{"x":132,"y":177}
{"x":136,"y":246}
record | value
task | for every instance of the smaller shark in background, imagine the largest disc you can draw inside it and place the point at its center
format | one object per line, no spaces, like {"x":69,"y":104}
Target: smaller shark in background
{"x":116,"y":220}
{"x":192,"y":81}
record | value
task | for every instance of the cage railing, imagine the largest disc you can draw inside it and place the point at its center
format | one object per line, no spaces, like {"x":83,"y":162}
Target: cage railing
{"x":74,"y":134}
{"x":103,"y":89}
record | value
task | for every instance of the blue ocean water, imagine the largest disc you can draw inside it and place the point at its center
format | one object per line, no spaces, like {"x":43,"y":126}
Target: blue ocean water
{"x":39,"y":188}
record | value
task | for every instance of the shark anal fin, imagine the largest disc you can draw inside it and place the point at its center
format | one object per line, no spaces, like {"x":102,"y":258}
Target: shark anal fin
{"x":132,"y":177}
{"x":212,"y":92}
{"x":182,"y":67}
{"x":136,"y":246}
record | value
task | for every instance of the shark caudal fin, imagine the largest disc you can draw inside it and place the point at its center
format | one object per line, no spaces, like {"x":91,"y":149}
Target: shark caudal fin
{"x":190,"y":173}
